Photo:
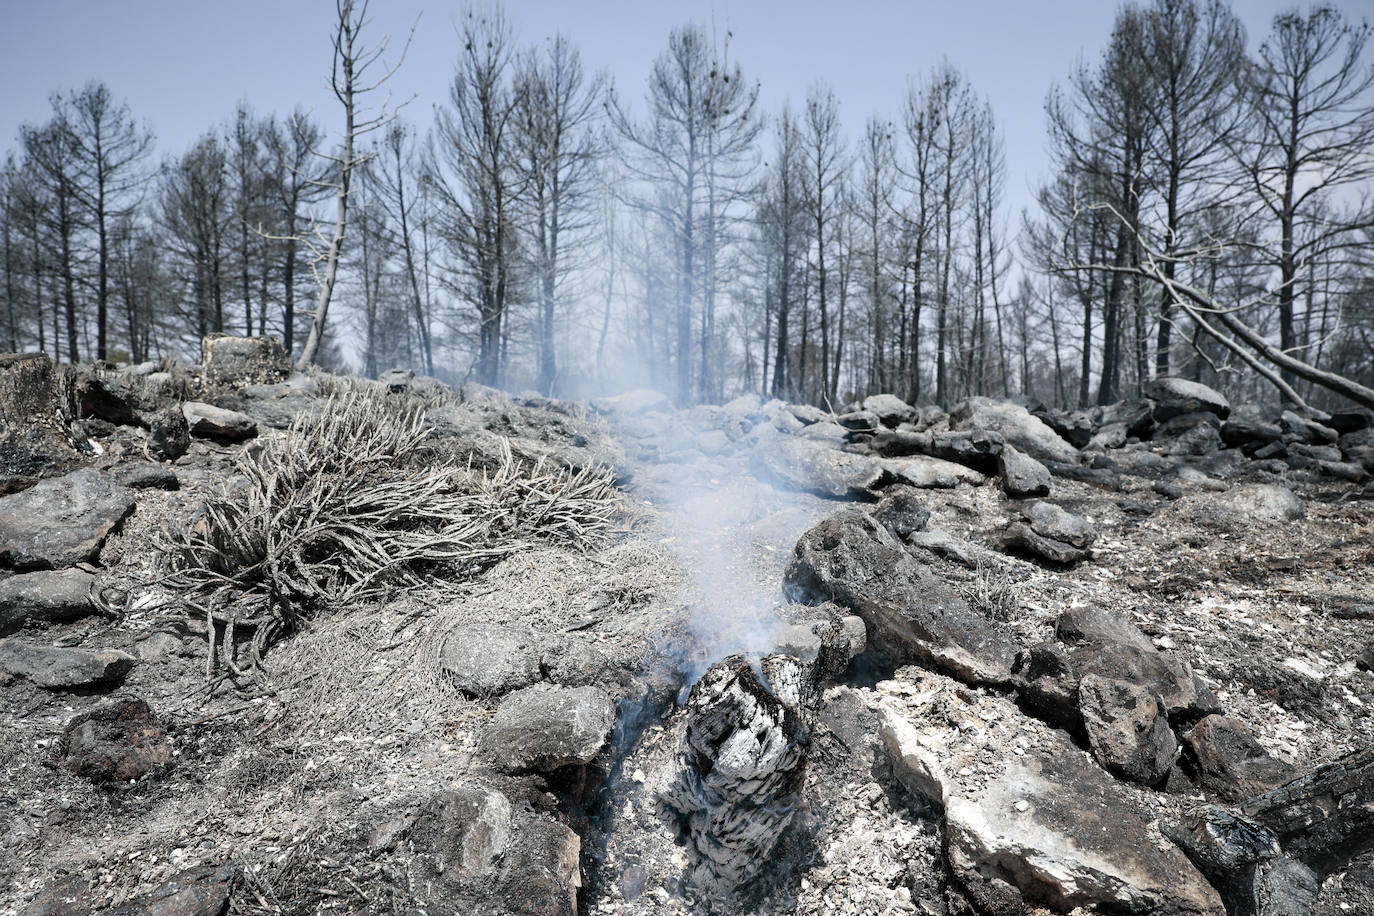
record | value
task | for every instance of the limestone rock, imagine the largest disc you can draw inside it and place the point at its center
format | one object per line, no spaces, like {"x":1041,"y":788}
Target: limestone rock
{"x":797,"y":463}
{"x":1044,"y":828}
{"x":889,"y":409}
{"x":147,"y":476}
{"x":61,"y":521}
{"x":1051,"y":521}
{"x":926,"y":473}
{"x":1179,"y":389}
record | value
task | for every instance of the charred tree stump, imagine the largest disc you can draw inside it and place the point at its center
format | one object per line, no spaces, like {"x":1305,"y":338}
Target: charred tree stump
{"x":1269,"y":857}
{"x":743,"y":762}
{"x":37,"y":437}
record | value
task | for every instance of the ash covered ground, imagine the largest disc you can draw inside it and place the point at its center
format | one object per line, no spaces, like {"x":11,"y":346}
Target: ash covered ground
{"x":1034,"y":651}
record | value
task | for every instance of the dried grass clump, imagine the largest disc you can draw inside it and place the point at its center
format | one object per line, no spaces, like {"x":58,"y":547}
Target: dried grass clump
{"x":991,"y":592}
{"x":344,"y":507}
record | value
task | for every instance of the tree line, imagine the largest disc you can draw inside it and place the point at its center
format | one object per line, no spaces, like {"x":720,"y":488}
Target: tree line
{"x":549,"y":230}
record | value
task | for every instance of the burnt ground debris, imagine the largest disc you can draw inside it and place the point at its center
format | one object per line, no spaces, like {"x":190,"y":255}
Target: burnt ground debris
{"x":1201,"y":647}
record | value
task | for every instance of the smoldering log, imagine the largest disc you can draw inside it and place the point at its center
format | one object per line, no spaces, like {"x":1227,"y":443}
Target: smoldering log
{"x":1270,"y":855}
{"x":743,"y":762}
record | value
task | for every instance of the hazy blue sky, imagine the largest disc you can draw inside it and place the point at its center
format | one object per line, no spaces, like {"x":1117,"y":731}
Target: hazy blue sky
{"x":183,"y":64}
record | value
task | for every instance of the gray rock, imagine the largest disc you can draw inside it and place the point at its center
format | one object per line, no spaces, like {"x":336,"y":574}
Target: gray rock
{"x":1127,"y":728}
{"x":1298,"y":428}
{"x":60,"y":668}
{"x":927,"y":473}
{"x":232,"y":361}
{"x":1179,"y":389}
{"x":1051,"y":521}
{"x":796,"y":463}
{"x":1022,"y":476}
{"x":61,"y":521}
{"x":975,"y":448}
{"x":147,"y":476}
{"x":1046,"y":679}
{"x":207,"y":421}
{"x":1106,"y":644}
{"x":911,"y":611}
{"x":1249,"y":505}
{"x":1047,"y":828}
{"x":859,"y":420}
{"x":898,"y":443}
{"x":458,"y":837}
{"x":1202,"y":439}
{"x":486,"y":661}
{"x":1019,"y":536}
{"x":1112,"y":435}
{"x":1351,"y":420}
{"x":902,"y":512}
{"x":169,"y":435}
{"x":889,"y":409}
{"x":807,"y":413}
{"x":543,"y":728}
{"x":1016,"y":426}
{"x":200,"y":891}
{"x":118,"y":740}
{"x":1229,"y":762}
{"x":48,"y":596}
{"x":948,"y":547}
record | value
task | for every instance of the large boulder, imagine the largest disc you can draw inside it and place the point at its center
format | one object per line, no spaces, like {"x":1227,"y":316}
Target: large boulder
{"x":61,"y":521}
{"x":63,"y":668}
{"x":977,"y":448}
{"x":810,"y":465}
{"x":36,"y":439}
{"x":47,"y":596}
{"x":234,"y":361}
{"x":912,"y":612}
{"x":1016,"y":426}
{"x":544,"y":728}
{"x":1043,"y":827}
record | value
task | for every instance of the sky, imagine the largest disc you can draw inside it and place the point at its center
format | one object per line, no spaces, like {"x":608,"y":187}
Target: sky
{"x":183,"y":65}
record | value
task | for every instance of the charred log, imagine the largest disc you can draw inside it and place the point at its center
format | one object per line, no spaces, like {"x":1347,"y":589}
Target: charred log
{"x":743,"y":760}
{"x":1269,"y":857}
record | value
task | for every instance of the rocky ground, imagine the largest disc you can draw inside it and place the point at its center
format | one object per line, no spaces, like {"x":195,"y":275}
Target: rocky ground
{"x":998,"y":660}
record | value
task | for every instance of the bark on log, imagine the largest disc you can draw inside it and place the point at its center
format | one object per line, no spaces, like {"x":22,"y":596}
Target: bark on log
{"x":1269,"y":857}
